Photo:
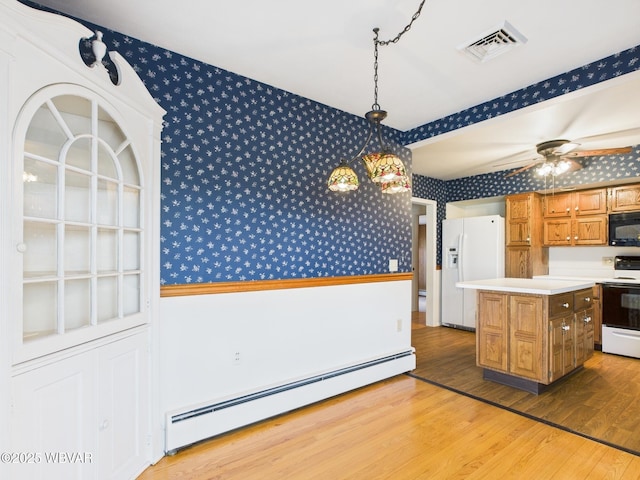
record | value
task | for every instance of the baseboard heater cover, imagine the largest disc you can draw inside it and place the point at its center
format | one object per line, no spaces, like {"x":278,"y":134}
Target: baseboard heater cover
{"x":191,"y":426}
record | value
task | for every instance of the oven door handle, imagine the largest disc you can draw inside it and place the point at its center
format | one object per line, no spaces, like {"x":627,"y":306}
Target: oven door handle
{"x":621,"y":285}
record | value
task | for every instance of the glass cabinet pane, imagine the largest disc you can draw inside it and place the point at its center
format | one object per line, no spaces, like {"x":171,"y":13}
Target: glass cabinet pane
{"x":39,"y":309}
{"x":107,"y":307}
{"x":77,"y":194}
{"x":40,"y":256}
{"x":129,"y":166}
{"x":106,"y":165}
{"x":79,"y":154}
{"x":107,"y":203}
{"x":109,"y":130}
{"x":131,"y":294}
{"x":76,"y":112}
{"x":107,"y":250}
{"x":131,"y":207}
{"x":77,"y":304}
{"x":131,"y":251}
{"x":82,"y":219}
{"x":45,"y":136}
{"x":77,"y":250}
{"x":40,"y":189}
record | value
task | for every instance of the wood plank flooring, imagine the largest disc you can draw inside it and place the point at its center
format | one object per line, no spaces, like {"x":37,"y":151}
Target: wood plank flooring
{"x":602,"y":400}
{"x":404,"y":428}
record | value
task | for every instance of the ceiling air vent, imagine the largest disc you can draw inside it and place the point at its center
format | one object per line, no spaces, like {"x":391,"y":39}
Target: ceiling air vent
{"x":493,"y":43}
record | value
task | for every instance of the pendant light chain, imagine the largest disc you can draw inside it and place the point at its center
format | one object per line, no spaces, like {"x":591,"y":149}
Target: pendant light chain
{"x":377,"y":42}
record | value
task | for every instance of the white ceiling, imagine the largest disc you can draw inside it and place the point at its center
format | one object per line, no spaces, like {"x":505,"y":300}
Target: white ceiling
{"x":324,"y":52}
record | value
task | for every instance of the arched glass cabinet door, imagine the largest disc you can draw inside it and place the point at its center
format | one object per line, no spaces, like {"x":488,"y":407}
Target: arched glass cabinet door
{"x":82,"y":235}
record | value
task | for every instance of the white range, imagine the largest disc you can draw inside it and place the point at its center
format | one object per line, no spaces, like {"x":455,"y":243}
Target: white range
{"x":620,"y":306}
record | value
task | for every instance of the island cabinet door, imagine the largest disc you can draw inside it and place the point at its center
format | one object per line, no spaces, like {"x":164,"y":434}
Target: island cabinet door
{"x":492,"y":331}
{"x":526,"y":356}
{"x":561,"y":346}
{"x":583,"y":335}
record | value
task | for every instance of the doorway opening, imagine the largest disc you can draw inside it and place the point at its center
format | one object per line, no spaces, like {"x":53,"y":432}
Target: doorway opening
{"x":425,"y":296}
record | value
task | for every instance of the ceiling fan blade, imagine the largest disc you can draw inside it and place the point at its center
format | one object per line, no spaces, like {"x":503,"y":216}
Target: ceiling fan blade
{"x":574,"y":166}
{"x":598,"y":152}
{"x":520,"y":170}
{"x":505,"y":164}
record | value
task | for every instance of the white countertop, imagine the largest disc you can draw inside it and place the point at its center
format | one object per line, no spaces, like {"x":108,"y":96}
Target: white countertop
{"x":630,"y":279}
{"x":540,"y":286}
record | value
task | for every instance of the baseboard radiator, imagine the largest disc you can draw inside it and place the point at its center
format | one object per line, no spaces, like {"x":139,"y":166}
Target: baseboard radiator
{"x":186,"y":427}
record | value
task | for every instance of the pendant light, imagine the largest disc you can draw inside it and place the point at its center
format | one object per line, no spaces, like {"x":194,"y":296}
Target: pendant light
{"x":383,"y":167}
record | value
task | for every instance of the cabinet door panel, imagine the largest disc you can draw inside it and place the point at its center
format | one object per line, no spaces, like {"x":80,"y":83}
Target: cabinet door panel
{"x":526,"y":354}
{"x":625,"y":198}
{"x":123,"y":398}
{"x":590,"y":202}
{"x":561,"y":346}
{"x":518,"y":262}
{"x":557,"y":232}
{"x":492,"y":331}
{"x":591,"y":230}
{"x":557,"y":205}
{"x":53,"y":410}
{"x":518,"y":233}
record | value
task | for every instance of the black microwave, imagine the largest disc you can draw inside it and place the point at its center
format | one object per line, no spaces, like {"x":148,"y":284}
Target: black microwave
{"x":624,"y":229}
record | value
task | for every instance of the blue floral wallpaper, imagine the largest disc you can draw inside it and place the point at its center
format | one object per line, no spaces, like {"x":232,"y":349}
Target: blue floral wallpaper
{"x":244,"y":172}
{"x":595,"y":169}
{"x":244,"y":169}
{"x":244,"y":193}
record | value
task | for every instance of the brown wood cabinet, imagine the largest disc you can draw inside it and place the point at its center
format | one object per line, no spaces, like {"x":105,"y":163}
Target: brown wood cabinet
{"x":597,"y":314}
{"x":526,"y":336}
{"x":624,"y":198}
{"x":539,"y":338}
{"x":576,"y":203}
{"x":575,"y":218}
{"x":525,"y":255}
{"x":491,"y":344}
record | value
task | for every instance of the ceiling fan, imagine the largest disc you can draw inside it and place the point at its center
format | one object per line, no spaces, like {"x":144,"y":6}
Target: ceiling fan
{"x":558,"y":157}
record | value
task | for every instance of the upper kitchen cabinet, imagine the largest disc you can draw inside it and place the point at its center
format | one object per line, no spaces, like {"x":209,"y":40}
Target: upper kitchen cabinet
{"x":624,"y":198}
{"x":79,"y":162}
{"x":525,"y":255}
{"x":578,"y":203}
{"x":575,"y":218}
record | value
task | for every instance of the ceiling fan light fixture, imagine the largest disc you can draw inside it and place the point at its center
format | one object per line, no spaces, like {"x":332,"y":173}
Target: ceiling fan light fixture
{"x":554,"y":168}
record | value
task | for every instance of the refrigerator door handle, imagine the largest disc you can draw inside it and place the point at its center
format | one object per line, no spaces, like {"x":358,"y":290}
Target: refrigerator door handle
{"x":461,"y":257}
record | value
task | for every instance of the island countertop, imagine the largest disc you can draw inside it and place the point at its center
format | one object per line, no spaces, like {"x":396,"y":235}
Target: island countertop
{"x":540,"y":286}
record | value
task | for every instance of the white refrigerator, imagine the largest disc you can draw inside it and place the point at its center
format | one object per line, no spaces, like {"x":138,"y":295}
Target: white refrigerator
{"x":472,"y":249}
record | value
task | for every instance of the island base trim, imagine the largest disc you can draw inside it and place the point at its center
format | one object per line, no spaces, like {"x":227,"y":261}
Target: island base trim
{"x":530,"y":386}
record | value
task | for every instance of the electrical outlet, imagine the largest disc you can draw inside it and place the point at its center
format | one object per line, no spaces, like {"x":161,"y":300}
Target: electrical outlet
{"x":607,"y":261}
{"x":399,"y":325}
{"x":236,"y":358}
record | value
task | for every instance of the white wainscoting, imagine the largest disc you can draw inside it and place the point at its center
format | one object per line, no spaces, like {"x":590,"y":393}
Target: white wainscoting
{"x":218,"y":347}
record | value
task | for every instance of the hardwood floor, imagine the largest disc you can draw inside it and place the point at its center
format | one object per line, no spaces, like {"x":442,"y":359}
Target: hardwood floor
{"x":402,"y":428}
{"x":600,"y":401}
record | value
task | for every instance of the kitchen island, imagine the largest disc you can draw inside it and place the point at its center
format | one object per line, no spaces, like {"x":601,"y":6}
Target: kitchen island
{"x":532,"y":332}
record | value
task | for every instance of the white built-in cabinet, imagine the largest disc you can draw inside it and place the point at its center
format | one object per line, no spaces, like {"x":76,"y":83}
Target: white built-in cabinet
{"x":79,"y":211}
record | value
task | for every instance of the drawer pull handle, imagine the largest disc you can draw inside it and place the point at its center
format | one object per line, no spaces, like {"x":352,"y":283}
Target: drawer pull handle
{"x":587,"y":299}
{"x":565,"y":305}
{"x":587,"y":320}
{"x":566,"y":328}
